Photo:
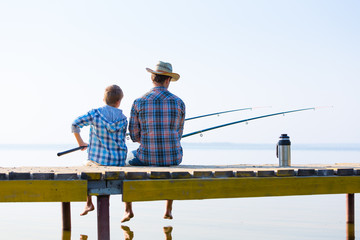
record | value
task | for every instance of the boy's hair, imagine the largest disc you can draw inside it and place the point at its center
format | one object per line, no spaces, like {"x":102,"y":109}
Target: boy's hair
{"x":160,"y":78}
{"x":113,"y":94}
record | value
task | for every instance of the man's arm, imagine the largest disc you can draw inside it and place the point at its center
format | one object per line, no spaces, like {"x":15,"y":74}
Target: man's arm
{"x":182,"y":120}
{"x":134,"y":125}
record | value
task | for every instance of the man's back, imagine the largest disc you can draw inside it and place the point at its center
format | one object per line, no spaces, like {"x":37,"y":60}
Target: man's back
{"x":157,"y":121}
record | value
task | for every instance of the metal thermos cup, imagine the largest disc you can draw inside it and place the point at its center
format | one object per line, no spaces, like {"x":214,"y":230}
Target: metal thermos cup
{"x":283,"y":151}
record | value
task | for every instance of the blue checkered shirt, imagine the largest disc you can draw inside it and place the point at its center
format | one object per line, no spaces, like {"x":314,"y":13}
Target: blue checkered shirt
{"x":157,"y":123}
{"x":107,"y":135}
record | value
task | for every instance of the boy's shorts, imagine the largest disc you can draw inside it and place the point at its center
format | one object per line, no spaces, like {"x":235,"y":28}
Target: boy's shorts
{"x":89,"y":163}
{"x":132,"y":160}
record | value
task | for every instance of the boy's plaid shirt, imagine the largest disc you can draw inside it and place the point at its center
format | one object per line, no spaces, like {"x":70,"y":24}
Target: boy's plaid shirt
{"x":157,"y":122}
{"x":107,"y":140}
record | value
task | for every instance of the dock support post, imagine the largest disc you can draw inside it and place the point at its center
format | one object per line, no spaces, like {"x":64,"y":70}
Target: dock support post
{"x":350,"y":216}
{"x":103,"y":217}
{"x":66,"y":216}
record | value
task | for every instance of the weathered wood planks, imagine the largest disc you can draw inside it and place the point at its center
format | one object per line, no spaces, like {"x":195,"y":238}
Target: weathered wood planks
{"x":177,"y":182}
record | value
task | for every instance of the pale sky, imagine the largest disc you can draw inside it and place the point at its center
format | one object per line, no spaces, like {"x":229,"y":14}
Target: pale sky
{"x":57,"y":57}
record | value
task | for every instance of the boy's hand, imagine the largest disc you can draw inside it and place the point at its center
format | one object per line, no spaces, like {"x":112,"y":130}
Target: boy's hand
{"x":85,"y":145}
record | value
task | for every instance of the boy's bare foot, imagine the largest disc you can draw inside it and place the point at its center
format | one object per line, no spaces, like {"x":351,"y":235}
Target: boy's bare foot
{"x":87,"y":209}
{"x":127,"y":217}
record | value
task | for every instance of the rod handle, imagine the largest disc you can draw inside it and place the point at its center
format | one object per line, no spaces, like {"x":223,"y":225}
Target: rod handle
{"x":70,"y":150}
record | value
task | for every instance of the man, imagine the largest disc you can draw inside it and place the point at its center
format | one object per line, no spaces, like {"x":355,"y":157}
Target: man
{"x":157,"y":122}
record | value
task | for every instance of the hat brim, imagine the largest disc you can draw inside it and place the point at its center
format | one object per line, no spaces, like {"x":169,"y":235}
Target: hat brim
{"x":174,"y":76}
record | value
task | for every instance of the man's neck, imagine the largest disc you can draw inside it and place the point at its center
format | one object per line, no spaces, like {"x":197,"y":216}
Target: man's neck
{"x":165,"y":84}
{"x":155,"y":84}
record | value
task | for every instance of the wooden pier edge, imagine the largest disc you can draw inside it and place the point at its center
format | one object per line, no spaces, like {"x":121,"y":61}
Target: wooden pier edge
{"x":187,"y":189}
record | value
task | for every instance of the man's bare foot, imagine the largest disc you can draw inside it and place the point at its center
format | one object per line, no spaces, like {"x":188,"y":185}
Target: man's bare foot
{"x":127,"y":217}
{"x":168,"y":216}
{"x":168,"y":209}
{"x":87,"y":209}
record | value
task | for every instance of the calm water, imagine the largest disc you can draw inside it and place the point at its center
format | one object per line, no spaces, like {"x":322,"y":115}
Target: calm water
{"x":297,"y":217}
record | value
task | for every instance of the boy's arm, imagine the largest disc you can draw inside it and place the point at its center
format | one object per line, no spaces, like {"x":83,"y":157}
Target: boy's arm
{"x":80,"y":141}
{"x":81,"y":121}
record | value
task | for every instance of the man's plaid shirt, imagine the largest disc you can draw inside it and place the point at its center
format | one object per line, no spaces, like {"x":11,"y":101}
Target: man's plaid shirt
{"x":107,"y":135}
{"x":157,"y":123}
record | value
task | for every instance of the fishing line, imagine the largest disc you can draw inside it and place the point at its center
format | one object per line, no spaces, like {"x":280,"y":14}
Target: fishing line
{"x":244,"y":120}
{"x":218,"y":113}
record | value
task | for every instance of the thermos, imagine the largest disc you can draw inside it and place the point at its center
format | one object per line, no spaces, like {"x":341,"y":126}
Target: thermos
{"x":283,"y":151}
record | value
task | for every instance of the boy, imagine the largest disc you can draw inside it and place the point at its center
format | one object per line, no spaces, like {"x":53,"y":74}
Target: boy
{"x":107,"y":134}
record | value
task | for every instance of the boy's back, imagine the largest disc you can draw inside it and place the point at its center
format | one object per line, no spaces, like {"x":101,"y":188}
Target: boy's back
{"x":107,"y":135}
{"x":108,"y":127}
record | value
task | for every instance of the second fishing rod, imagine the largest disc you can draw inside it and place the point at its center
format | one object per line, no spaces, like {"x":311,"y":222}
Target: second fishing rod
{"x":223,"y":125}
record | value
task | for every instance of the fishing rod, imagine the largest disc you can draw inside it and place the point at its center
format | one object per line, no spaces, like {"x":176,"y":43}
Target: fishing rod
{"x":244,"y":120}
{"x":218,"y":113}
{"x":71,"y":150}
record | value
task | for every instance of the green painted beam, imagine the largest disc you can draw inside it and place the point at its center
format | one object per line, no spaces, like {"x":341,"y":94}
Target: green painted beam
{"x":184,"y":189}
{"x":43,"y":191}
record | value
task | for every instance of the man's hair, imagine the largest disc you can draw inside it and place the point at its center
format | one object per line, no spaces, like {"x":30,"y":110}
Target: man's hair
{"x":113,"y":94}
{"x":160,"y":78}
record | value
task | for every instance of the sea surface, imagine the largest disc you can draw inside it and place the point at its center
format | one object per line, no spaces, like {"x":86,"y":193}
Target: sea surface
{"x":295,"y":217}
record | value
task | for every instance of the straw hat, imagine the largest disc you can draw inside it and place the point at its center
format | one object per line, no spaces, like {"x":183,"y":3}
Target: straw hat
{"x":164,"y":68}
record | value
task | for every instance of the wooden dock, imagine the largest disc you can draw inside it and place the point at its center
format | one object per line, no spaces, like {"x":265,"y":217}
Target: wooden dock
{"x":184,"y":182}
